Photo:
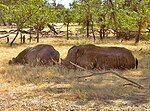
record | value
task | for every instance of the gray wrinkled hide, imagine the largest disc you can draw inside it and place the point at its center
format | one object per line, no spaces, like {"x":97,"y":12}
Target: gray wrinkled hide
{"x":39,"y":55}
{"x":102,"y":58}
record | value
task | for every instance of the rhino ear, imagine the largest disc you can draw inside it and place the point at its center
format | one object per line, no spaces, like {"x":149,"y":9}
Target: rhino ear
{"x":71,"y":48}
{"x":13,"y":58}
{"x":79,"y":52}
{"x":61,"y":60}
{"x":10,"y":62}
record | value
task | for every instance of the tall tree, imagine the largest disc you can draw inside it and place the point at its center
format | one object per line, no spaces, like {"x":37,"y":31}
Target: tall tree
{"x":28,"y":12}
{"x":68,"y":18}
{"x":2,"y":8}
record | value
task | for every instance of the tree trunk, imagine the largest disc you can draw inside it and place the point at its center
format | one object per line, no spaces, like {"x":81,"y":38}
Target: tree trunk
{"x":14,"y":38}
{"x":30,"y":39}
{"x":37,"y":35}
{"x":92,"y":27}
{"x":100,"y":33}
{"x":139,"y":33}
{"x":115,"y":19}
{"x":7,"y":40}
{"x":67,"y":31}
{"x":30,"y":35}
{"x":88,"y":18}
{"x":21,"y":37}
{"x":103,"y":32}
{"x":24,"y":39}
{"x":93,"y":33}
{"x":117,"y":34}
{"x":3,"y":21}
{"x":87,"y":28}
{"x":139,"y":25}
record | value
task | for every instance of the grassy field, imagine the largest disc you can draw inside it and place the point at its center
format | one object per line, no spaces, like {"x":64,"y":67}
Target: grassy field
{"x":47,"y":88}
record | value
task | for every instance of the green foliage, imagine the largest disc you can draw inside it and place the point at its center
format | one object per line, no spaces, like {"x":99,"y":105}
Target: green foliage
{"x":68,"y":18}
{"x":130,"y":16}
{"x":18,"y":13}
{"x":30,"y":12}
{"x":127,"y":21}
{"x":3,"y":6}
{"x":115,"y":14}
{"x":40,"y":14}
{"x":146,"y":36}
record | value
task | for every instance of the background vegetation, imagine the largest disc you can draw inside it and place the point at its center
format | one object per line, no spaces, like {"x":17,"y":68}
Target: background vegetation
{"x":126,"y":18}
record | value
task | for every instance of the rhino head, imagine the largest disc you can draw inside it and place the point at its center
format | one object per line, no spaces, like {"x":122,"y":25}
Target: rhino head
{"x":12,"y":61}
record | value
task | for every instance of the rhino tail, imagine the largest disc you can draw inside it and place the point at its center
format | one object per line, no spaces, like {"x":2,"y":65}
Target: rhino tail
{"x":136,"y":63}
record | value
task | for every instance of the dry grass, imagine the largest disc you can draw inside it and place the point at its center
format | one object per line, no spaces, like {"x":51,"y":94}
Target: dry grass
{"x":26,"y":83}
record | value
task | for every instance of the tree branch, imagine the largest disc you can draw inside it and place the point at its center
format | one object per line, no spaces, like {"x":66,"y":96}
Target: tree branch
{"x":105,"y":72}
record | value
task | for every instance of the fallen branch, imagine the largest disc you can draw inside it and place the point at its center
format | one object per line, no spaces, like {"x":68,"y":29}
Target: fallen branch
{"x":3,"y":32}
{"x":4,"y":36}
{"x":105,"y":72}
{"x":12,"y":31}
{"x":129,"y":84}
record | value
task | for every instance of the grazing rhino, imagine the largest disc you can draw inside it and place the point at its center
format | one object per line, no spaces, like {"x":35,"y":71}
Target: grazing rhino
{"x":20,"y":57}
{"x":90,"y":56}
{"x":39,"y":55}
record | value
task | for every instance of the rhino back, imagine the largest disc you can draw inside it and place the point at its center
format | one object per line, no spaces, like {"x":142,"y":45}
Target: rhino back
{"x":115,"y":58}
{"x":41,"y":54}
{"x":48,"y":54}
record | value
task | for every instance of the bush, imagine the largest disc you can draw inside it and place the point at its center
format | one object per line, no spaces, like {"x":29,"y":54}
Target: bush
{"x":146,"y":36}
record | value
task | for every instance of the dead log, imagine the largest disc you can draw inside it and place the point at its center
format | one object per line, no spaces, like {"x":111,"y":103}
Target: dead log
{"x":106,"y":72}
{"x":13,"y":31}
{"x":27,"y":32}
{"x":5,"y":36}
{"x":3,"y":32}
{"x":51,"y":27}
